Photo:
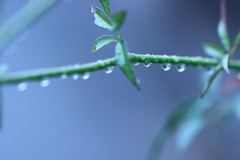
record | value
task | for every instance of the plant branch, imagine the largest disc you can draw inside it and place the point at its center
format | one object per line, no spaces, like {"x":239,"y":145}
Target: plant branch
{"x":22,"y":19}
{"x":12,"y":78}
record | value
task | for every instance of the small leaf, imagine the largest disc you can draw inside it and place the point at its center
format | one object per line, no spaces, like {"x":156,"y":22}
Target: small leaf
{"x":225,"y":63}
{"x":106,"y":6}
{"x":223,"y":35}
{"x":210,"y":80}
{"x":124,"y":63}
{"x":188,"y":130}
{"x":237,"y":40}
{"x":101,"y":42}
{"x":213,"y":50}
{"x":101,"y":19}
{"x":118,"y":20}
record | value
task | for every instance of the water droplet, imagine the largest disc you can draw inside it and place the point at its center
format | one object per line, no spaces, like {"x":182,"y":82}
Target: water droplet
{"x":136,"y":63}
{"x":22,"y":86}
{"x":64,"y":76}
{"x":147,"y":64}
{"x":166,"y":66}
{"x":109,"y":69}
{"x":44,"y":83}
{"x":180,"y":67}
{"x":86,"y":76}
{"x":75,"y":76}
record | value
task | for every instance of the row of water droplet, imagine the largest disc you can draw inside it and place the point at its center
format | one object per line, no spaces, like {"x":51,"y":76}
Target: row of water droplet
{"x":167,"y":66}
{"x":46,"y":82}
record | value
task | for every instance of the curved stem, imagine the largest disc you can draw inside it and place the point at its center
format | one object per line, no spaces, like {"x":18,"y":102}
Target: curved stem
{"x":12,"y":78}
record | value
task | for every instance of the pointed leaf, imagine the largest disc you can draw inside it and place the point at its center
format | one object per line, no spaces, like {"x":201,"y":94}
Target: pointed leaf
{"x":188,"y":130}
{"x":225,"y":63}
{"x":213,"y":50}
{"x":212,"y":77}
{"x":101,"y":19}
{"x":101,"y":42}
{"x":106,"y":6}
{"x":118,"y":20}
{"x":223,"y":35}
{"x":124,"y":63}
{"x":237,"y":40}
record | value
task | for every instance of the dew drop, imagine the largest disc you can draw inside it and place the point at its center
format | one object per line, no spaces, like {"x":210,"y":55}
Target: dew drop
{"x":86,"y":76}
{"x":147,"y":64}
{"x":75,"y":76}
{"x":180,"y":67}
{"x":109,"y":69}
{"x":44,"y":83}
{"x":22,"y":86}
{"x":64,"y":76}
{"x":166,"y":66}
{"x":136,"y":63}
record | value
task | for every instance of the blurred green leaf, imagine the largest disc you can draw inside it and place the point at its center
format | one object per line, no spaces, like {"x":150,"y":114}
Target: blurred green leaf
{"x":176,"y":118}
{"x":188,"y":130}
{"x":225,"y":63}
{"x":213,"y":50}
{"x":118,"y":20}
{"x":218,"y":69}
{"x":101,"y":42}
{"x":237,"y":39}
{"x":124,"y":63}
{"x":106,"y":6}
{"x":101,"y":19}
{"x":223,"y":35}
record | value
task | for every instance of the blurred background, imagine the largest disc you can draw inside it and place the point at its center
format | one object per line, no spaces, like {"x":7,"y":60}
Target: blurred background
{"x":105,"y":117}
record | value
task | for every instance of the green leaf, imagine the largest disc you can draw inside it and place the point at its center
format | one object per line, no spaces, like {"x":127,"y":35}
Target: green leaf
{"x":210,"y":80}
{"x":101,"y":42}
{"x":225,"y":63}
{"x":118,"y":20}
{"x":124,"y":63}
{"x":101,"y":19}
{"x":237,"y":39}
{"x":223,"y":35}
{"x":188,"y":131}
{"x":213,"y":50}
{"x":106,"y":6}
{"x":176,"y":118}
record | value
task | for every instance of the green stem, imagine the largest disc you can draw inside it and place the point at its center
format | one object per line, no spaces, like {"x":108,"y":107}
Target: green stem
{"x":22,"y":19}
{"x":13,"y":78}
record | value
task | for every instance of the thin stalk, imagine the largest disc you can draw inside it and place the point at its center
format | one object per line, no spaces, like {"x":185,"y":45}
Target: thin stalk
{"x":22,"y":19}
{"x":35,"y":75}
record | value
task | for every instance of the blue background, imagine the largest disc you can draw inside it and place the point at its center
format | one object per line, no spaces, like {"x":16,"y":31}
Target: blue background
{"x":105,"y":117}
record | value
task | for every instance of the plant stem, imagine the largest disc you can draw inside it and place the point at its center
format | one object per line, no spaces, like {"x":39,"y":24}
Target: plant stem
{"x":22,"y":19}
{"x":12,"y":78}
